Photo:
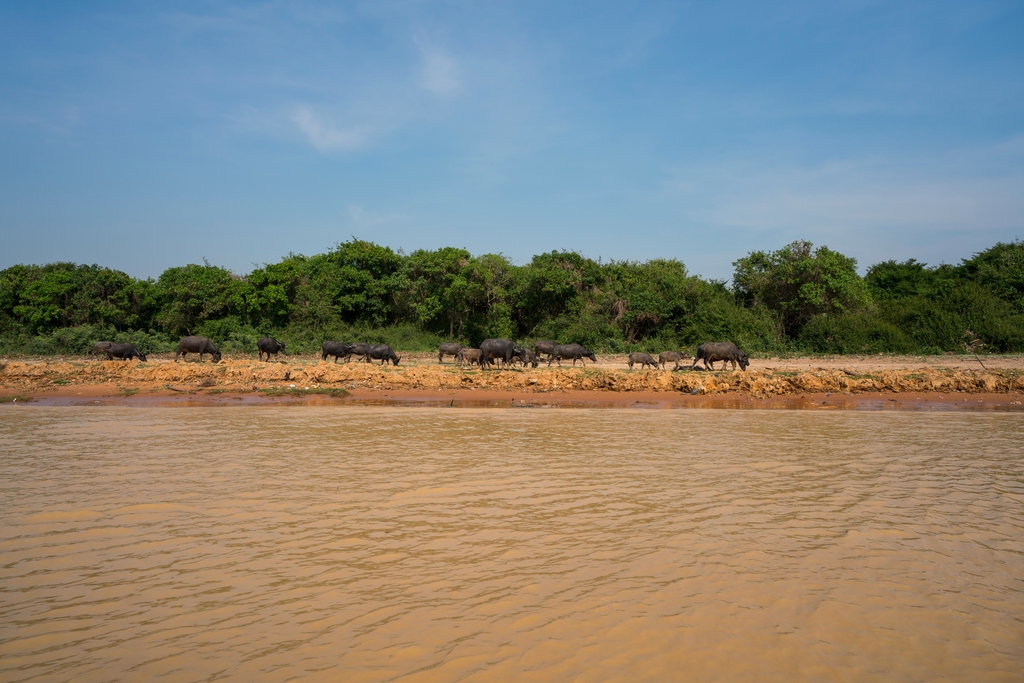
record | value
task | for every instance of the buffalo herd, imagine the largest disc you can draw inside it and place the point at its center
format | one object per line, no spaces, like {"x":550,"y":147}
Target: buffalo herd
{"x":503,"y":352}
{"x":507,"y":352}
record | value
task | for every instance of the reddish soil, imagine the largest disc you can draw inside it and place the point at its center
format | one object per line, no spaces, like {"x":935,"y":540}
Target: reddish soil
{"x":940,"y":383}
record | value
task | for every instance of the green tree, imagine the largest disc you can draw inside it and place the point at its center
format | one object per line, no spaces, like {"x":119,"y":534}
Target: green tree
{"x":799,"y":282}
{"x":1000,"y":269}
{"x":646,"y":298}
{"x":552,"y":285}
{"x":442,"y":292}
{"x":44,"y":298}
{"x":272,"y":290}
{"x":359,"y":279}
{"x":193,"y":294}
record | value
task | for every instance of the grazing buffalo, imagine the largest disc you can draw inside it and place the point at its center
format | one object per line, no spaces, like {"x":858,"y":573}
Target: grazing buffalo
{"x":114,"y":350}
{"x":468,"y":356}
{"x":357,"y":349}
{"x":574,"y":351}
{"x":100,"y":348}
{"x":450,"y":349}
{"x":499,"y":349}
{"x":530,"y":359}
{"x":198,"y":345}
{"x":644,"y":359}
{"x":672,"y":356}
{"x":383,"y":353}
{"x":336,"y":349}
{"x":269,"y":345}
{"x":727,"y":352}
{"x":124,"y":352}
{"x":545,"y":346}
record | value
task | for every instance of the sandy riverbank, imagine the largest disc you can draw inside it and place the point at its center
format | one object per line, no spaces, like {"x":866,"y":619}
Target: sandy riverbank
{"x":846,"y":382}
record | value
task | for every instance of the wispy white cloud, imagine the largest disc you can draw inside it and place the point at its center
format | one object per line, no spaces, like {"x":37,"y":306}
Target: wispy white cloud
{"x":440,"y":72}
{"x":58,"y":123}
{"x":325,"y":137}
{"x":264,"y":16}
{"x":877,"y":207}
{"x":366,"y":218}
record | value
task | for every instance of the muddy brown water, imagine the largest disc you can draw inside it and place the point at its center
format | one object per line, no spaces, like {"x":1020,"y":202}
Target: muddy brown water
{"x":375,"y":544}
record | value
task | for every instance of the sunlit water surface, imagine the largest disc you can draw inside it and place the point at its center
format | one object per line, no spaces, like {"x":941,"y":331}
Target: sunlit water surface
{"x":365,"y":544}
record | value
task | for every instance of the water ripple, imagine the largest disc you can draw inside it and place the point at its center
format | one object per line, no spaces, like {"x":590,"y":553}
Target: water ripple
{"x":372,"y":544}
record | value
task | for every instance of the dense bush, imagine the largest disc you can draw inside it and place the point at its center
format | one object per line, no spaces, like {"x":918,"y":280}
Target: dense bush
{"x":795,"y":299}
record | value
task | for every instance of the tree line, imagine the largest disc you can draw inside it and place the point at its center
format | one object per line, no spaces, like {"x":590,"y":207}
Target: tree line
{"x":796,"y":299}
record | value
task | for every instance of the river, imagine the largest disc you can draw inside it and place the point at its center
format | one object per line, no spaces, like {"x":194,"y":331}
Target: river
{"x":427,"y":544}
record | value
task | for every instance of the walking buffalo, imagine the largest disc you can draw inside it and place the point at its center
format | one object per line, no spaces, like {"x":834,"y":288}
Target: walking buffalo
{"x":331,"y":348}
{"x":672,"y":356}
{"x":383,"y":353}
{"x":449,"y":349}
{"x":468,"y":356}
{"x":100,"y":348}
{"x":198,"y":345}
{"x":357,"y":349}
{"x":269,"y":345}
{"x":574,"y":351}
{"x":545,"y":346}
{"x":727,"y":352}
{"x":643,"y":359}
{"x":499,"y":349}
{"x":115,"y":350}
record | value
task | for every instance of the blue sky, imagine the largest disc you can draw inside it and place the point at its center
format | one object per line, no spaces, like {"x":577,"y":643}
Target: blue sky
{"x":144,"y":135}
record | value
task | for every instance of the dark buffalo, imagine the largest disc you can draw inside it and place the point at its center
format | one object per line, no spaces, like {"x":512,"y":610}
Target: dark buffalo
{"x":468,"y":356}
{"x":450,"y":349}
{"x":499,"y":349}
{"x":357,"y":349}
{"x":545,"y":346}
{"x":119,"y":351}
{"x":336,"y":349}
{"x":383,"y":353}
{"x":198,"y":345}
{"x":530,"y":359}
{"x":644,"y":359}
{"x":269,"y":345}
{"x":100,"y":348}
{"x":574,"y":351}
{"x":672,"y":356}
{"x":727,"y":352}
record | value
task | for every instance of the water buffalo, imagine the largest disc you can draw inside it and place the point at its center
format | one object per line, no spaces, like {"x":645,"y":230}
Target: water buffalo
{"x":357,"y":349}
{"x":531,"y":359}
{"x":503,"y":349}
{"x":644,"y":359}
{"x":383,"y":353}
{"x":672,"y":356}
{"x":724,"y":351}
{"x":269,"y":345}
{"x":115,"y":350}
{"x":124,"y":352}
{"x":198,"y":345}
{"x":468,"y":356}
{"x":336,"y":349}
{"x":545,"y":346}
{"x":574,"y":351}
{"x":100,"y":348}
{"x":450,"y":349}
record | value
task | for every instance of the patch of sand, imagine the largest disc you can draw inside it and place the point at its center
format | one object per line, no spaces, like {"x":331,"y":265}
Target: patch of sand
{"x":244,"y":379}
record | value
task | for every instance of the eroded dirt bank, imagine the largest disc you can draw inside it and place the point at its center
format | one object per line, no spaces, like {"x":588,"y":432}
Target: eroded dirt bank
{"x":314,"y":379}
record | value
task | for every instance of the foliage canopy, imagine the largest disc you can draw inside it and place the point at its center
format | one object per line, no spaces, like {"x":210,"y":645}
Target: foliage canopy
{"x":798,"y":298}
